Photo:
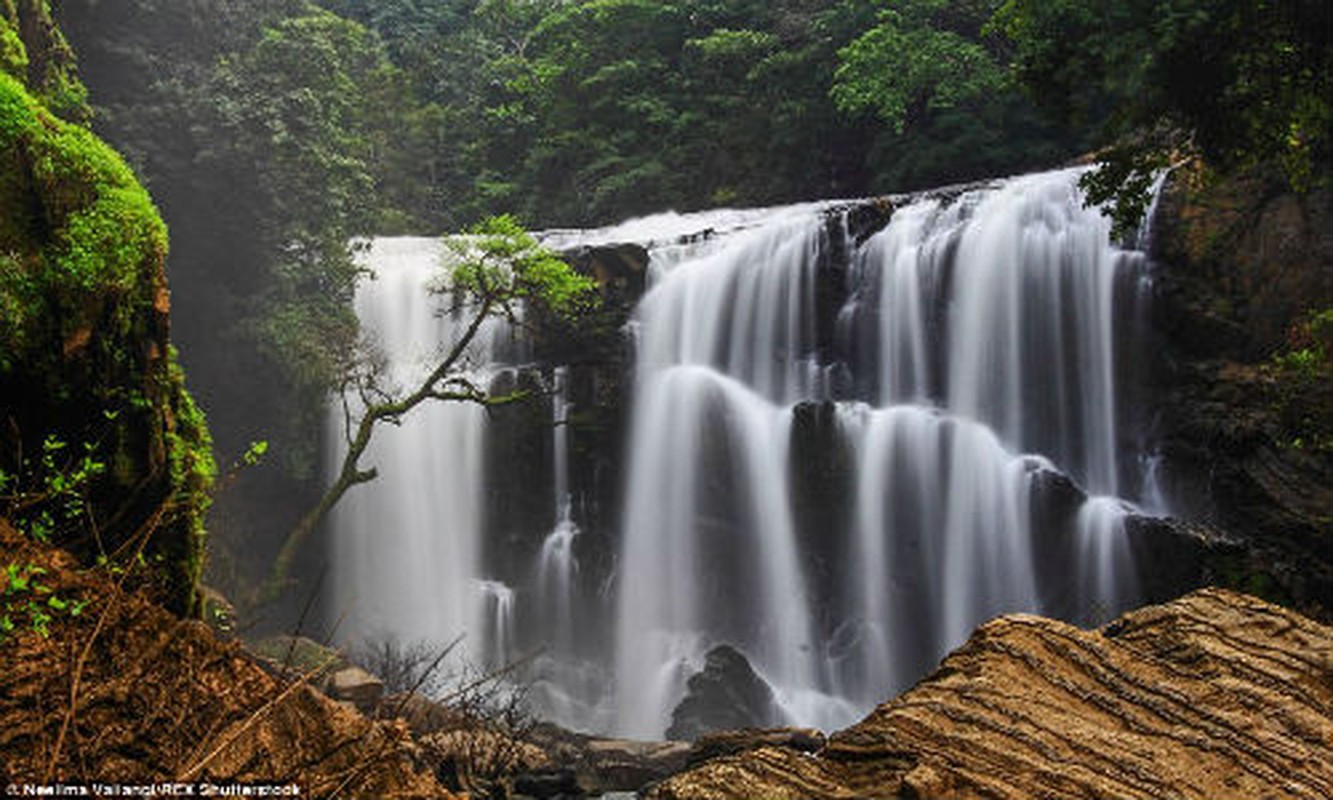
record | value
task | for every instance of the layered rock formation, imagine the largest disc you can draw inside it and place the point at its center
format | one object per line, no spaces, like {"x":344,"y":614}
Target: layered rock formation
{"x":1217,"y":694}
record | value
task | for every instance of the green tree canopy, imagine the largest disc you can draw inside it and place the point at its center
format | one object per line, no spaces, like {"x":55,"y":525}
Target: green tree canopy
{"x":922,"y":56}
{"x":1237,"y":82}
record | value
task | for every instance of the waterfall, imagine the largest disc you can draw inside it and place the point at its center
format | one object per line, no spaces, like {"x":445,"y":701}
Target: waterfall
{"x":941,"y":537}
{"x":710,"y":543}
{"x":1105,"y":563}
{"x":556,"y":568}
{"x":982,"y":329}
{"x":497,"y":626}
{"x":999,"y":307}
{"x":406,"y":547}
{"x":846,"y":447}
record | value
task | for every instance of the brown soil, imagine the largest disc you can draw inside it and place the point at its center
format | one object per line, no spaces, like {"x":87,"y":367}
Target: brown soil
{"x":125,"y":692}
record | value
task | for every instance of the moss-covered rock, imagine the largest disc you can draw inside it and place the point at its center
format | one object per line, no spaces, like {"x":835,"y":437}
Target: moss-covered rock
{"x":98,"y":438}
{"x":1244,"y":411}
{"x":34,"y":50}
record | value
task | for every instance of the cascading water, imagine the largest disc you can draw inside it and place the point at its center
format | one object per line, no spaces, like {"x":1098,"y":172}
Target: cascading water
{"x":840,"y":489}
{"x":999,"y":307}
{"x":556,"y":571}
{"x":406,"y":548}
{"x":941,"y":538}
{"x":982,"y":328}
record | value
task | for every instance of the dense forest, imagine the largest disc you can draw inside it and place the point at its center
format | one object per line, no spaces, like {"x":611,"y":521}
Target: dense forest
{"x":275,"y":138}
{"x":273,"y":133}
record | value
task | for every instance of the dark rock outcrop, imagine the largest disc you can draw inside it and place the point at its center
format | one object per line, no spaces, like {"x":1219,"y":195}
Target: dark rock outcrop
{"x":621,"y":270}
{"x":726,"y":694}
{"x":555,"y":782}
{"x":1217,"y":694}
{"x":1242,"y":262}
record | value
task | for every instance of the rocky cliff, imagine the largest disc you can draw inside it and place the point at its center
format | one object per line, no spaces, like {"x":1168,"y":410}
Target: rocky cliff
{"x":1244,"y":392}
{"x":100,"y":444}
{"x":1217,"y":694}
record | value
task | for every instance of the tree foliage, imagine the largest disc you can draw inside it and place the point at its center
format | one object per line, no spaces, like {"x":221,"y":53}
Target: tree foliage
{"x":912,"y":63}
{"x":266,"y":132}
{"x":583,"y":112}
{"x":1236,"y":82}
{"x":933,"y":76}
{"x":492,"y":271}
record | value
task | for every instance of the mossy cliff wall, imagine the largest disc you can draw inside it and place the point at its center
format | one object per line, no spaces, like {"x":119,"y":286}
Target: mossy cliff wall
{"x":85,"y":358}
{"x":1245,"y":398}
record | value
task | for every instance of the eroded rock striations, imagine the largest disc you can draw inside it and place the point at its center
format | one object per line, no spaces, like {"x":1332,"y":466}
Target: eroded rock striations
{"x":1217,"y":694}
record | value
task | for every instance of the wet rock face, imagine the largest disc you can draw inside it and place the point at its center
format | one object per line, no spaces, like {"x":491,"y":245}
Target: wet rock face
{"x":620,"y":269}
{"x":726,"y":694}
{"x":1217,"y":694}
{"x":1241,"y":261}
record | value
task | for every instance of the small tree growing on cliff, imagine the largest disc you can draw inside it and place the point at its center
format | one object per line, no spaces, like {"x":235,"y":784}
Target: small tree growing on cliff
{"x":493,"y":271}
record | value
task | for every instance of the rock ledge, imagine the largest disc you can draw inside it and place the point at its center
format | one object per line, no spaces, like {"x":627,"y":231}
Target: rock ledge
{"x":1216,"y":694}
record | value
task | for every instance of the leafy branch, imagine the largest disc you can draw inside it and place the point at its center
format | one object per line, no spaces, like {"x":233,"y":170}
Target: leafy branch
{"x":497,"y":268}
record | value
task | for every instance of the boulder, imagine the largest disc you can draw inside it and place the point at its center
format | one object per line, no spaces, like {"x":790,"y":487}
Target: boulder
{"x":356,"y":686}
{"x":1217,"y":694}
{"x":725,"y":695}
{"x":609,"y":765}
{"x":480,"y":758}
{"x":555,"y":782}
{"x":619,"y":765}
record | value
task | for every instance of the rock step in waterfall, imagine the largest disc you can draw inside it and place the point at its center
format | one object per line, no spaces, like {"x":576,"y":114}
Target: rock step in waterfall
{"x":847,"y":448}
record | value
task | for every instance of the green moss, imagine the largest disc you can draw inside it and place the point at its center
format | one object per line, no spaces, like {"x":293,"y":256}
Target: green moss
{"x":83,"y":352}
{"x":18,"y":112}
{"x":45,"y":62}
{"x":104,"y":244}
{"x":1238,"y":571}
{"x":13,"y":55}
{"x":193,"y":472}
{"x":79,"y":228}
